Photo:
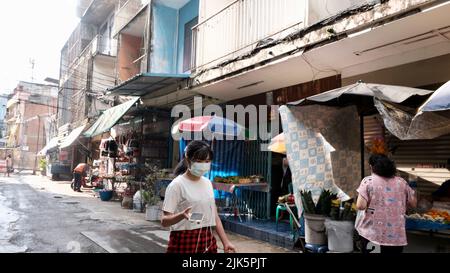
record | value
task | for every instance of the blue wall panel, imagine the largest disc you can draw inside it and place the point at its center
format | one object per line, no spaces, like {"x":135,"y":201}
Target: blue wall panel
{"x":164,"y":37}
{"x":186,"y":14}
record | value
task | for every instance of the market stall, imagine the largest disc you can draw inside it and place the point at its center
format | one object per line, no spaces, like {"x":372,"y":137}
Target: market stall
{"x":130,"y":146}
{"x":338,"y":116}
{"x":235,"y":205}
{"x":235,"y":159}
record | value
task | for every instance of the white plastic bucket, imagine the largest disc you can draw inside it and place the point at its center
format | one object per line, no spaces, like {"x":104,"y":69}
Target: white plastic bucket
{"x":315,"y":229}
{"x":153,"y":213}
{"x":137,"y":206}
{"x":137,"y":203}
{"x":340,"y":235}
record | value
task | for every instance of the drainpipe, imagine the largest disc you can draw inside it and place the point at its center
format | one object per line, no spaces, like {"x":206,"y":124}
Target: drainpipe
{"x":149,"y":35}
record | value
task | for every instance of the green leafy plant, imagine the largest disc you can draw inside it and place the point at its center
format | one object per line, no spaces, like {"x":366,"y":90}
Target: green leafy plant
{"x":42,"y":164}
{"x":150,"y":198}
{"x":149,"y":195}
{"x":323,"y":206}
{"x":348,"y":213}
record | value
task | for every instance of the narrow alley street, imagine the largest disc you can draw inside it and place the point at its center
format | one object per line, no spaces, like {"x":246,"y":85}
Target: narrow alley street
{"x":42,"y":216}
{"x":285,"y":126}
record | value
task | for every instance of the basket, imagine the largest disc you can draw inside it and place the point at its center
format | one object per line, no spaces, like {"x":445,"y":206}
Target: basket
{"x":105,"y":195}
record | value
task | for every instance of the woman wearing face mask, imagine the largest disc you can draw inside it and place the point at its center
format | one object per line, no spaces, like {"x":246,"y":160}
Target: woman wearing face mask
{"x":190,"y":193}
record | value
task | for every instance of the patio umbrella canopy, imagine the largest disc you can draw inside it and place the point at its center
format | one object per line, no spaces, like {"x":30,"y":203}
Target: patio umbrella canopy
{"x":278,"y":144}
{"x":432,"y":119}
{"x":362,"y":95}
{"x":214,"y":124}
{"x":439,"y":102}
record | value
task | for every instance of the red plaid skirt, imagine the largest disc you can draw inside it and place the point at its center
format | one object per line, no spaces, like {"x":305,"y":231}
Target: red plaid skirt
{"x":192,"y":241}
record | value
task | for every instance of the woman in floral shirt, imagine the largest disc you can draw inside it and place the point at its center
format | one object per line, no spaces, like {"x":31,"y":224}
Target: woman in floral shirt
{"x":383,"y":199}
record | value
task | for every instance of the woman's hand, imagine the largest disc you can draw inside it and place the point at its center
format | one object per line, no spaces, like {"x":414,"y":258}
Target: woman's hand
{"x":229,"y":248}
{"x":170,"y":219}
{"x":187,"y":213}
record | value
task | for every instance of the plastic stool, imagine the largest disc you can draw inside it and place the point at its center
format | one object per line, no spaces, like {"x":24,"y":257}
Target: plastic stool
{"x":282,"y":207}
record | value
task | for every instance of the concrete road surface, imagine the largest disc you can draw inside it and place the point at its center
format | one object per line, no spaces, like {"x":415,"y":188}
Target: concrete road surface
{"x":39,"y":215}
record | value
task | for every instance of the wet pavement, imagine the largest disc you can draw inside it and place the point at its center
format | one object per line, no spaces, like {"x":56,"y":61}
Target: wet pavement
{"x":44,"y":216}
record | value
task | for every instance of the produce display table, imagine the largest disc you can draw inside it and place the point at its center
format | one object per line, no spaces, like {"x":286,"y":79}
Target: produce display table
{"x":428,"y":228}
{"x":264,"y":187}
{"x":434,"y":223}
{"x":417,"y":224}
{"x":232,"y":188}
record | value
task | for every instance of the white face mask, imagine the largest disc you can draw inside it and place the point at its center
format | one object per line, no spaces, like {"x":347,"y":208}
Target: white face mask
{"x":200,"y":169}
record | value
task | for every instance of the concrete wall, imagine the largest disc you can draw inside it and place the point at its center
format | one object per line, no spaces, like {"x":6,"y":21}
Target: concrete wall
{"x":33,"y":131}
{"x":102,"y":78}
{"x":3,"y":102}
{"x":322,"y":9}
{"x":164,"y":39}
{"x":168,"y":36}
{"x":103,"y":73}
{"x":129,"y":51}
{"x":416,"y":74}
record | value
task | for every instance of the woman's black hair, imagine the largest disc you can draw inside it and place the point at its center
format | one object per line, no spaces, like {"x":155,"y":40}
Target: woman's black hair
{"x":195,"y":150}
{"x":382,"y":165}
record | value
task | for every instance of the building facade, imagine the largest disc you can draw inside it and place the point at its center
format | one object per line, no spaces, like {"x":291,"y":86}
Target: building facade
{"x":87,"y":69}
{"x":29,"y":121}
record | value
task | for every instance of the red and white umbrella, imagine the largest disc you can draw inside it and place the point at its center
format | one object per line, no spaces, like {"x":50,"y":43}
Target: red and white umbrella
{"x":213,"y":124}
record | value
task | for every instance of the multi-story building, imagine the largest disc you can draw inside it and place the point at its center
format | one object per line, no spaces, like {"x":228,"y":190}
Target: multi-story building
{"x":154,"y":62}
{"x":27,"y":116}
{"x":268,"y":45}
{"x":87,"y":69}
{"x":155,"y":50}
{"x":279,"y":51}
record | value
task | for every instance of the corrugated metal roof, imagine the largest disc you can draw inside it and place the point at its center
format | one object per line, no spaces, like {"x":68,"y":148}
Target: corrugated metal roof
{"x":146,"y":83}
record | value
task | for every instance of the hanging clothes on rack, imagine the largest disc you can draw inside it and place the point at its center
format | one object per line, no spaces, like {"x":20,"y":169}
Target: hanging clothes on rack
{"x":109,"y":148}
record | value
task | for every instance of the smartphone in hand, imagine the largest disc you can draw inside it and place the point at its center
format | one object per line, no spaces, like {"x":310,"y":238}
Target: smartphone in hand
{"x":196,"y":217}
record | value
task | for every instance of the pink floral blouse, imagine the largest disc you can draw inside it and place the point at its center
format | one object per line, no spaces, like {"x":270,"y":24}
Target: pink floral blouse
{"x":383,"y":222}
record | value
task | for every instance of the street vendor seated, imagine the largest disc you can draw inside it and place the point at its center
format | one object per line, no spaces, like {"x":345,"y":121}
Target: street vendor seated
{"x":79,"y":173}
{"x":443,"y":193}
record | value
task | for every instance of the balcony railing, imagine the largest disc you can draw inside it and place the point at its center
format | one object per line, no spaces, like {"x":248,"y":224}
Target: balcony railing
{"x":79,"y":66}
{"x":126,"y":13}
{"x":78,"y":40}
{"x":104,"y":45}
{"x":241,"y":25}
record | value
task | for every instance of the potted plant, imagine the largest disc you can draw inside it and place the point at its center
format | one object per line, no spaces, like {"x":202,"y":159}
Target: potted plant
{"x":152,"y":206}
{"x":150,"y":197}
{"x":315,"y":215}
{"x":43,"y":166}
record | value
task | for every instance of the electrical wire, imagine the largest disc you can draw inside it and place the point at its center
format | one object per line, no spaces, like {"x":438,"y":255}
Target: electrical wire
{"x":317,"y":69}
